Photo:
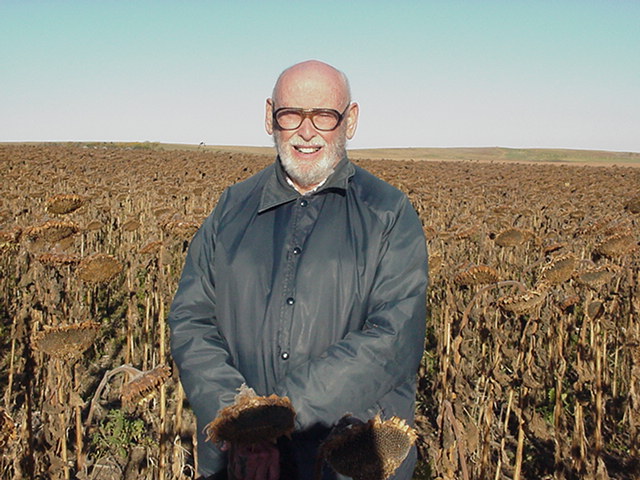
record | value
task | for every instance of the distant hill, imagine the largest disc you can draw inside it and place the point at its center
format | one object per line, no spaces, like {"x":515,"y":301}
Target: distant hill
{"x":497,"y":154}
{"x":491,"y":154}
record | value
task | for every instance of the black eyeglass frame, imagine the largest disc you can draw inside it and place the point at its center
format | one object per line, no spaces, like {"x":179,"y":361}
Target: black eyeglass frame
{"x":310,"y":113}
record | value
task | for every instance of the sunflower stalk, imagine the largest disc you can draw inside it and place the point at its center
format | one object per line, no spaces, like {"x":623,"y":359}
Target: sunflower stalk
{"x":128,"y":369}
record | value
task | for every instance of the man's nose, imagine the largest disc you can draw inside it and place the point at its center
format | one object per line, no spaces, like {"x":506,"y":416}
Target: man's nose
{"x":306,"y":130}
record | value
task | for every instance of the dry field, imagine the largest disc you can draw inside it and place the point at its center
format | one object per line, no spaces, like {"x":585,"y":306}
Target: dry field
{"x":532,"y":364}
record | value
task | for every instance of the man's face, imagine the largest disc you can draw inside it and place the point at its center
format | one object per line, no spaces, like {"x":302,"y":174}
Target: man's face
{"x":308,"y":154}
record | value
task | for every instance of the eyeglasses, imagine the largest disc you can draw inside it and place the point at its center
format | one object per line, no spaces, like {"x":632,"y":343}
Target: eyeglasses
{"x":323,"y":119}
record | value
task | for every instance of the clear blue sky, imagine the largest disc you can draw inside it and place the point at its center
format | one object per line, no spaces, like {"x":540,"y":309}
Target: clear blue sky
{"x":426,"y":73}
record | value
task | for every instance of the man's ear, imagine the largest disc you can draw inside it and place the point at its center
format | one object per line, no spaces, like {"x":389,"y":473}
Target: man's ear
{"x":352,"y":120}
{"x":268,"y":116}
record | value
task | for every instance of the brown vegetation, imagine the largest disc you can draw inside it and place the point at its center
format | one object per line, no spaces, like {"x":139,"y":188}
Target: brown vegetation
{"x":532,"y":363}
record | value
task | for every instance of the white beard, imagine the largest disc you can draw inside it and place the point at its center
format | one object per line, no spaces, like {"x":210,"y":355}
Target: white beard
{"x":308,"y":174}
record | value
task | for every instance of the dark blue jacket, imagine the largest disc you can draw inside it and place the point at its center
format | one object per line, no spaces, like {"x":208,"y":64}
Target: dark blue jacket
{"x":320,"y":298}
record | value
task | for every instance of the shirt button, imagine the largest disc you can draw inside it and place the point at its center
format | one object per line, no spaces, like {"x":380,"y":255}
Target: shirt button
{"x":304,"y":202}
{"x":284,"y":355}
{"x":290,"y":301}
{"x":297,"y":251}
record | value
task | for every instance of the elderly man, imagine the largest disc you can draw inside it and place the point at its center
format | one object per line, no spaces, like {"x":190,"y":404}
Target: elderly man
{"x":309,"y":281}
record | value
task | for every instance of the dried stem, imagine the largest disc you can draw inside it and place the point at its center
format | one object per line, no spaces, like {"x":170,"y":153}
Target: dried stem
{"x":130,"y":318}
{"x":7,"y":396}
{"x":457,"y":430}
{"x":519,"y":449}
{"x":62,"y":417}
{"x":79,"y":429}
{"x":163,"y":396}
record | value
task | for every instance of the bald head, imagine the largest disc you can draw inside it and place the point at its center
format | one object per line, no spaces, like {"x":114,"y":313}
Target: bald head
{"x":311,"y":92}
{"x":313,"y":80}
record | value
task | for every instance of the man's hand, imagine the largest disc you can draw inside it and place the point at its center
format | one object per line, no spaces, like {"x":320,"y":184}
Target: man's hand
{"x":255,"y":461}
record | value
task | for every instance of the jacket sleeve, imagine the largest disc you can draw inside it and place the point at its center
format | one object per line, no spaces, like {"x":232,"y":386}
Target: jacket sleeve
{"x":200,"y":352}
{"x":354,"y":373}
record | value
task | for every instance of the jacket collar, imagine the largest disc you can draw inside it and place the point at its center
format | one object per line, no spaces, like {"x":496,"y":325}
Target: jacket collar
{"x":277,"y":190}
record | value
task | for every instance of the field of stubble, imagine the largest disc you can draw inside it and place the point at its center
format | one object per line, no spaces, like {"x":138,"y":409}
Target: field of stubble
{"x":532,"y":365}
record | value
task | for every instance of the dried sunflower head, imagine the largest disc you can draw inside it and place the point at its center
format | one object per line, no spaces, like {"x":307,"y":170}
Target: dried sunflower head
{"x":99,"y":268}
{"x":513,"y":237}
{"x":131,"y":225}
{"x":616,"y":245}
{"x":65,"y":203}
{"x":523,"y":302}
{"x":57,"y":259}
{"x":252,"y":418}
{"x":368,"y":451}
{"x":559,"y":269}
{"x":144,"y":385}
{"x":568,"y":303}
{"x":595,"y":277}
{"x":464,"y":233}
{"x":553,"y":247}
{"x":181,"y":229}
{"x":52,"y":231}
{"x":93,"y":225}
{"x":150,"y":248}
{"x":163,"y":212}
{"x":66,"y":342}
{"x":595,"y":309}
{"x":477,"y":275}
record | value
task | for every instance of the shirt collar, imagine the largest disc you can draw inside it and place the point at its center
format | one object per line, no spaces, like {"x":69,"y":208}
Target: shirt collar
{"x":314,"y":189}
{"x":277,"y":190}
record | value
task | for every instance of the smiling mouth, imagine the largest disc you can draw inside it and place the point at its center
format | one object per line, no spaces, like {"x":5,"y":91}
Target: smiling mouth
{"x":307,"y":150}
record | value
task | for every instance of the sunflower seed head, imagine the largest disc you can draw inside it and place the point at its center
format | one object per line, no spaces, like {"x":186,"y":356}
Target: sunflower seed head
{"x":150,"y":248}
{"x":52,"y":231}
{"x":63,"y":204}
{"x":57,"y":259}
{"x":252,"y":418}
{"x":559,"y":270}
{"x":99,"y":268}
{"x":181,"y":228}
{"x":595,"y":277}
{"x":131,"y":225}
{"x":513,"y":237}
{"x":66,"y":342}
{"x":371,"y":450}
{"x":522,"y":303}
{"x":567,"y":304}
{"x":477,"y":275}
{"x":144,"y":385}
{"x":595,"y":309}
{"x":616,"y":245}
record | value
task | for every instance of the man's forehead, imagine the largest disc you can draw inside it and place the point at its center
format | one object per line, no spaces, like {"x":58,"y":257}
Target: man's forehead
{"x":311,"y":83}
{"x":310,"y":91}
